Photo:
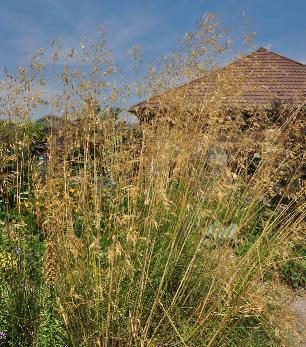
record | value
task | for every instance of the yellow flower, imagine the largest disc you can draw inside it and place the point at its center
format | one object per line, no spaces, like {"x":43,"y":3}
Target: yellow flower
{"x":6,"y":260}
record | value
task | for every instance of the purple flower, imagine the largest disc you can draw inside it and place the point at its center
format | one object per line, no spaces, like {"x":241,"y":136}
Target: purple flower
{"x":18,"y":250}
{"x":3,"y":335}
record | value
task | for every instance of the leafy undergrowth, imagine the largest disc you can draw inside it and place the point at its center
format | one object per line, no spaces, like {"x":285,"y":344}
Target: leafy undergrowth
{"x":293,"y":272}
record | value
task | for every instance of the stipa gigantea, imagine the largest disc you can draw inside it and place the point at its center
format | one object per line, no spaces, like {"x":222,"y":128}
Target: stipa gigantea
{"x":135,"y":217}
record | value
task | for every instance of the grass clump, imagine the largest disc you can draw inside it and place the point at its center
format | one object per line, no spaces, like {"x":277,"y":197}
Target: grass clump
{"x":142,"y":234}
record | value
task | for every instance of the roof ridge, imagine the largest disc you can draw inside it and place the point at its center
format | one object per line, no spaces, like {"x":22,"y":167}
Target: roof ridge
{"x":284,"y":57}
{"x":261,"y":49}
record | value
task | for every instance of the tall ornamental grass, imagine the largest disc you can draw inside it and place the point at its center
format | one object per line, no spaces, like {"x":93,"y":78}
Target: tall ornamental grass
{"x":160,"y":233}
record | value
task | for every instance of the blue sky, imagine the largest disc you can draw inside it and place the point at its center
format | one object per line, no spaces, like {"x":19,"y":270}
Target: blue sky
{"x":26,"y":25}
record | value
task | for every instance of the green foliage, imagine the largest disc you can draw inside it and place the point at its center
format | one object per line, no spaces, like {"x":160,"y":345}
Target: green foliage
{"x":21,"y":282}
{"x":51,"y":332}
{"x":293,"y":271}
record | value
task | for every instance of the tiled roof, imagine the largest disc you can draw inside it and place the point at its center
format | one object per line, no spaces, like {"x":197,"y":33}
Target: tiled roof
{"x":264,"y":77}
